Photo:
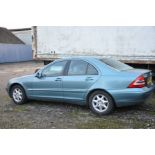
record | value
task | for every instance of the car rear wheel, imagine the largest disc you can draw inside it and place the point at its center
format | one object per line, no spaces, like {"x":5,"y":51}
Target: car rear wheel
{"x":18,"y":95}
{"x":101,"y":103}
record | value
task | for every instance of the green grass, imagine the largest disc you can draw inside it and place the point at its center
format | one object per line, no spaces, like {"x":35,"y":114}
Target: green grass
{"x":20,"y":108}
{"x":112,"y":124}
{"x":102,"y":124}
{"x":152,"y":99}
{"x":14,"y":124}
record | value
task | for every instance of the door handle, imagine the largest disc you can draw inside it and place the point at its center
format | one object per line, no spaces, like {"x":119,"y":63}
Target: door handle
{"x":89,"y":79}
{"x":58,"y":79}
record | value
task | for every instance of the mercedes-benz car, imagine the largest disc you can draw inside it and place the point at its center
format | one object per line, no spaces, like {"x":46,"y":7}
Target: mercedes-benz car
{"x":102,"y":84}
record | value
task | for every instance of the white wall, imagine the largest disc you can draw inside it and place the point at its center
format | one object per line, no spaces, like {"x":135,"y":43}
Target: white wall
{"x":121,"y":41}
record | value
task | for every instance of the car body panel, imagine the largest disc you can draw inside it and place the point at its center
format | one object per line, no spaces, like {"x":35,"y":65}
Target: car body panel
{"x":126,"y":97}
{"x":24,"y":81}
{"x":47,"y":88}
{"x":75,"y":89}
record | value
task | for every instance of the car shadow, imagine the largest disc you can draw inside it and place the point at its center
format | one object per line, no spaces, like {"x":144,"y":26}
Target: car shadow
{"x":57,"y":104}
{"x":84,"y":108}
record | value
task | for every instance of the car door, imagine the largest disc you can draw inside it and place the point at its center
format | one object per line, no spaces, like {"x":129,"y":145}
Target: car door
{"x":49,"y":86}
{"x":80,"y":77}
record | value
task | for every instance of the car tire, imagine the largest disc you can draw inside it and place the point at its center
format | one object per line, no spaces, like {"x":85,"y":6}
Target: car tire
{"x":18,"y":95}
{"x":101,"y":103}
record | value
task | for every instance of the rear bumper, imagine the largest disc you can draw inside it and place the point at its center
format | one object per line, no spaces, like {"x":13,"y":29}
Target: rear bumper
{"x":131,"y":96}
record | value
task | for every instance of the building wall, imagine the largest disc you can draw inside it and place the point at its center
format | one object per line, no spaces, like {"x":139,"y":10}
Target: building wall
{"x":25,"y":36}
{"x":15,"y":53}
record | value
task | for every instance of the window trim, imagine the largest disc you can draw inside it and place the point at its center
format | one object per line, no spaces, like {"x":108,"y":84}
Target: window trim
{"x":112,"y":67}
{"x":94,"y":68}
{"x":63,"y":72}
{"x":69,"y":63}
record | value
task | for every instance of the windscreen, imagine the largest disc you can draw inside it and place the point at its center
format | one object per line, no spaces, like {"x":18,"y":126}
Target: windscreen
{"x":116,"y":64}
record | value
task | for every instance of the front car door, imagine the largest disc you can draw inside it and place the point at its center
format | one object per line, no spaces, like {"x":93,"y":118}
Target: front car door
{"x":49,"y":86}
{"x":80,"y":77}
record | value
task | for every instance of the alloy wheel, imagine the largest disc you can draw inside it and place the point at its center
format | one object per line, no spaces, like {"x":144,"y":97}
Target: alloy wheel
{"x":17,"y":95}
{"x":100,"y":103}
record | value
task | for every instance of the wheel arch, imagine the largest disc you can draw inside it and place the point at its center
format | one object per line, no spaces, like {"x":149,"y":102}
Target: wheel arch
{"x":14,"y":84}
{"x":98,"y":89}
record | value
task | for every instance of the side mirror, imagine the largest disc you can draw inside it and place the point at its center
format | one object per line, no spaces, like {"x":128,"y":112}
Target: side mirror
{"x":38,"y":75}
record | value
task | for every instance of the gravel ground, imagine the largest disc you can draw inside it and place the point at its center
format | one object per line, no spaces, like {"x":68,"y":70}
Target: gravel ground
{"x":34,"y":114}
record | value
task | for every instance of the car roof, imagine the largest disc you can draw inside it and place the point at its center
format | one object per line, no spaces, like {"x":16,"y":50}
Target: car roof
{"x":80,"y":57}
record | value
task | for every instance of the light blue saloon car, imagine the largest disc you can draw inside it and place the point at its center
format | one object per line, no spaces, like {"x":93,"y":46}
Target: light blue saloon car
{"x":100,"y":83}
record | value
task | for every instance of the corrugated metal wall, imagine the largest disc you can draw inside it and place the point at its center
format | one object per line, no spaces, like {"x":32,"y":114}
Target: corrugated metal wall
{"x":15,"y":53}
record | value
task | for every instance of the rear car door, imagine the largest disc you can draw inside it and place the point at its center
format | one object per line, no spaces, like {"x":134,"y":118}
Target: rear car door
{"x":80,"y":77}
{"x":49,"y":86}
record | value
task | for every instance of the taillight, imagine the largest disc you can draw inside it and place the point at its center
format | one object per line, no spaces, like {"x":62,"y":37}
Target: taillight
{"x":138,"y":83}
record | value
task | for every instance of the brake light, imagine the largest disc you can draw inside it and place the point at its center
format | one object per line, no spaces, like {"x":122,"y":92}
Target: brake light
{"x":138,"y":83}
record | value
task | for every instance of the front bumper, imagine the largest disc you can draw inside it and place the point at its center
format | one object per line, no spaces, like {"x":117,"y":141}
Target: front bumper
{"x":132,"y":96}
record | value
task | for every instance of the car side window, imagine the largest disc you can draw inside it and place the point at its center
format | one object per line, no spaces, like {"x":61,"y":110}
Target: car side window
{"x":91,"y":70}
{"x":77,"y":67}
{"x":55,"y":70}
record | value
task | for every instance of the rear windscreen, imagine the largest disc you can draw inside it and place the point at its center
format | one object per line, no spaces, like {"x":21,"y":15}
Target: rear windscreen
{"x":116,"y":64}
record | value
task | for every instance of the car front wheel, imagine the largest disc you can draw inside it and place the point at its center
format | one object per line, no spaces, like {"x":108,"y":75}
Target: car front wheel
{"x":18,"y":95}
{"x":101,"y":103}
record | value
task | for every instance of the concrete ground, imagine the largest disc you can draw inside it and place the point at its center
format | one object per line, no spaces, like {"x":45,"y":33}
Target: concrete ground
{"x":36,"y":114}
